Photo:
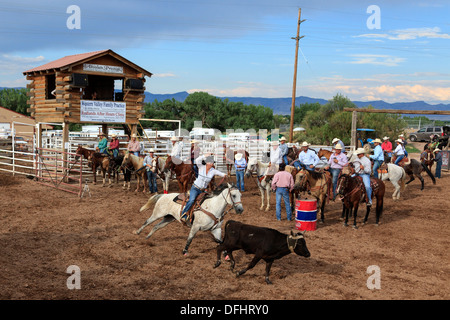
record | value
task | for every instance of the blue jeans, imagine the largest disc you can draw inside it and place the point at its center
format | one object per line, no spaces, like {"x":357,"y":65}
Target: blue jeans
{"x":152,"y":187}
{"x":192,"y":196}
{"x":376,"y":165}
{"x":240,"y":179}
{"x":195,"y":170}
{"x":285,"y":159}
{"x":335,"y":175}
{"x":399,"y":158}
{"x":437,"y":173}
{"x":136,"y":153}
{"x":283,"y":193}
{"x":366,"y":180}
{"x":298,"y":165}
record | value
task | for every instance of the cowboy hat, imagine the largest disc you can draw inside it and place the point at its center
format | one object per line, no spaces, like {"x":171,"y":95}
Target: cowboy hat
{"x":305,"y":144}
{"x":338,"y":146}
{"x":335,"y":140}
{"x":377,"y":140}
{"x":101,"y":134}
{"x":399,"y":141}
{"x":238,"y":156}
{"x":401,"y":135}
{"x":114,"y":135}
{"x":151,"y":150}
{"x":133,"y":135}
{"x":193,"y":141}
{"x":283,"y":139}
{"x":174,"y":138}
{"x":386,"y":138}
{"x":359,"y":151}
{"x":436,"y":150}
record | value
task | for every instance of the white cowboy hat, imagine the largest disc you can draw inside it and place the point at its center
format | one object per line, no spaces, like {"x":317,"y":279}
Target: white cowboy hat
{"x":399,"y":141}
{"x":377,"y":140}
{"x":133,"y":135}
{"x":359,"y":151}
{"x":305,"y":144}
{"x":174,"y":138}
{"x":401,"y":135}
{"x":338,"y":146}
{"x":101,"y":134}
{"x":193,"y":141}
{"x":436,"y":150}
{"x":114,"y":135}
{"x":283,"y":139}
{"x":386,"y":138}
{"x":238,"y":156}
{"x":335,"y":140}
{"x":151,"y":150}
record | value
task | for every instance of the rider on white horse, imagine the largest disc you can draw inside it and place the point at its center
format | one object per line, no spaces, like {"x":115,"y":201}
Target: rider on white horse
{"x":206,"y":172}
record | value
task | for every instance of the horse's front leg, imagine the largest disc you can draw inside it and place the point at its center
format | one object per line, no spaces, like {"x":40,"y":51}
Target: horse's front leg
{"x":262,"y":198}
{"x":138,"y":179}
{"x":192,"y":233}
{"x":94,"y":171}
{"x":268,"y":197}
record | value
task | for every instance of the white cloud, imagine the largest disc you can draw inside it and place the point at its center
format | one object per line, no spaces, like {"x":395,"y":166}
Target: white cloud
{"x":376,"y":59}
{"x":164,"y":75}
{"x":408,"y":34}
{"x":16,"y":64}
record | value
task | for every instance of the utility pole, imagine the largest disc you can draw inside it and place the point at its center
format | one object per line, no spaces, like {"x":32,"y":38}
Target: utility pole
{"x":291,"y":132}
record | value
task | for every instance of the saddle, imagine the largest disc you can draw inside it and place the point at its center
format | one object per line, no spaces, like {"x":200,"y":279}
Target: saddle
{"x":373,"y":184}
{"x":182,"y":198}
{"x":383,"y":168}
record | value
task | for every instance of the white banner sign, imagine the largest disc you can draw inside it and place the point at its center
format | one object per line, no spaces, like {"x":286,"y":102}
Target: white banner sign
{"x":102,"y":68}
{"x":102,"y":111}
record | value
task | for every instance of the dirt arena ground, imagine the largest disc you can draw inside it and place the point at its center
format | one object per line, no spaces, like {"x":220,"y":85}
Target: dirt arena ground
{"x":44,"y":231}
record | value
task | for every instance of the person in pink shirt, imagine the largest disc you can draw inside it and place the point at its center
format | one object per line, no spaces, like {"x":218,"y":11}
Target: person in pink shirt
{"x":134,"y":145}
{"x":283,"y":183}
{"x":114,"y":145}
{"x":386,"y":146}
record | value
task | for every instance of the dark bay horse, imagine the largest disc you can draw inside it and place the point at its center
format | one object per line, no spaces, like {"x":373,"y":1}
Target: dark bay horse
{"x":352,"y":191}
{"x":292,"y":154}
{"x":94,"y":162}
{"x":414,"y":168}
{"x":115,"y":164}
{"x":184,"y":173}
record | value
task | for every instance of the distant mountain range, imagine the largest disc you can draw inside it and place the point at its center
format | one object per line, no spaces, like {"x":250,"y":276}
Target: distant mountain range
{"x":283,"y":105}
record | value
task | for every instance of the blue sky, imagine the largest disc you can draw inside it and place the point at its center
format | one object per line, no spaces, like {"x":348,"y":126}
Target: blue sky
{"x":244,"y":47}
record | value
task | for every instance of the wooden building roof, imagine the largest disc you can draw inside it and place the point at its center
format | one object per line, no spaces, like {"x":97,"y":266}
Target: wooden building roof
{"x":76,"y":59}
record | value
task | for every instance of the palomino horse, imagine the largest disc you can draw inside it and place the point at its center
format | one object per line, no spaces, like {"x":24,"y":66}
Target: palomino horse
{"x":319,"y":184}
{"x":262,"y":180}
{"x":394,"y":174}
{"x":184,"y":173}
{"x":209,"y":217}
{"x":352,"y":191}
{"x":139,"y":170}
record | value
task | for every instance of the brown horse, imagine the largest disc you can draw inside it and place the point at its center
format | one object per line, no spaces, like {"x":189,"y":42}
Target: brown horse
{"x":292,"y":154}
{"x":352,"y":191}
{"x":324,"y":153}
{"x":319,"y":184}
{"x":93,"y":164}
{"x":427,"y":158}
{"x":99,"y":160}
{"x":184,"y":173}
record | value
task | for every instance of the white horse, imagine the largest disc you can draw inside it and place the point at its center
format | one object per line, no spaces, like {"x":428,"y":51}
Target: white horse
{"x":158,"y":164}
{"x":395,"y":174}
{"x":170,"y":211}
{"x":263,"y":178}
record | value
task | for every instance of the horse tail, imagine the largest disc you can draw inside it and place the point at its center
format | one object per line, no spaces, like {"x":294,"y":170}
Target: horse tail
{"x":150,"y":201}
{"x":428,"y":172}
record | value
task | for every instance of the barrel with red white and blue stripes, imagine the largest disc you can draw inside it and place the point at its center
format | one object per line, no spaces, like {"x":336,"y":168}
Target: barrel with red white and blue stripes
{"x":306,"y":215}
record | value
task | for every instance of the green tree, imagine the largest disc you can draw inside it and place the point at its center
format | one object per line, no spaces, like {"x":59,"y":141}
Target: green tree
{"x":14,"y":99}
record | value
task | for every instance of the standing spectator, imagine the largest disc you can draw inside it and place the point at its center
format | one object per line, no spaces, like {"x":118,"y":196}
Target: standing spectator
{"x":114,"y":145}
{"x":438,"y":159}
{"x":386,"y":146}
{"x":240,"y":164}
{"x":284,"y":150}
{"x":377,"y":157}
{"x":134,"y":146}
{"x":283,"y":183}
{"x":151,"y":175}
{"x":337,"y":162}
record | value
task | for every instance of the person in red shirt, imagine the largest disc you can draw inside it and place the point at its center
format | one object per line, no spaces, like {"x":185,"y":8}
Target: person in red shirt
{"x":386,"y":146}
{"x":114,"y":145}
{"x":283,"y":183}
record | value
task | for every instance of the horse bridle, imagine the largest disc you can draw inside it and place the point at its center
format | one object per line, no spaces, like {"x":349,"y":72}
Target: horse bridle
{"x":233,"y":206}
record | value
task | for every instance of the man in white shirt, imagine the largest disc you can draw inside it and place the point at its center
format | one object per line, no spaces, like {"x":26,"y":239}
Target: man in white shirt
{"x":307,"y":158}
{"x":206,"y":172}
{"x":177,"y":150}
{"x":363,"y":168}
